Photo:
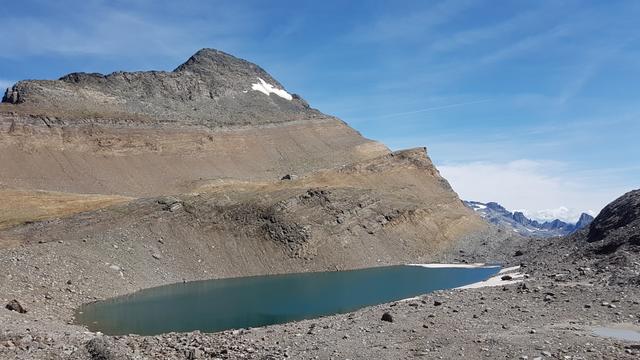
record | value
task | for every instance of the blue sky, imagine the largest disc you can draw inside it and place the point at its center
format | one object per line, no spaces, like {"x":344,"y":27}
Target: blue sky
{"x":534,"y":104}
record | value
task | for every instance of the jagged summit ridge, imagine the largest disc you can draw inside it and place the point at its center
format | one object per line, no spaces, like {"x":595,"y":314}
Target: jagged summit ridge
{"x":212,"y":63}
{"x":518,"y":222}
{"x":211,"y":88}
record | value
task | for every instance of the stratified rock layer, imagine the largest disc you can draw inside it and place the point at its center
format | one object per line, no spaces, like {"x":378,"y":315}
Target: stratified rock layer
{"x":154,"y":132}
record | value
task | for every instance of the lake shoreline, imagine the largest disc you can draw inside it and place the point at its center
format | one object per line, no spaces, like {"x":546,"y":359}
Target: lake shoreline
{"x":544,"y":313}
{"x":222,"y":304}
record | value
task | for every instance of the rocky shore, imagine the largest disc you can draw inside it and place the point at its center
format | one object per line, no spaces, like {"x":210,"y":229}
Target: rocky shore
{"x":542,"y":317}
{"x":552,"y":314}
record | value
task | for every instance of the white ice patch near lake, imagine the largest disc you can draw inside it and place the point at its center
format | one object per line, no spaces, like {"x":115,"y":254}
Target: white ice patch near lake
{"x":509,"y":269}
{"x":267,"y":89}
{"x":497,"y":280}
{"x":460,"y":266}
{"x":516,"y":277}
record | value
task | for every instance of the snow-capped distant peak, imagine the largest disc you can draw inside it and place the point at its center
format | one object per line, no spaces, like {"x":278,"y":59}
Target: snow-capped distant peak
{"x":267,"y":89}
{"x":562,"y":213}
{"x":520,"y":221}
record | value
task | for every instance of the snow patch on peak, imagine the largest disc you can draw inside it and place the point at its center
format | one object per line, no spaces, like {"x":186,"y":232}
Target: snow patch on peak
{"x":267,"y":89}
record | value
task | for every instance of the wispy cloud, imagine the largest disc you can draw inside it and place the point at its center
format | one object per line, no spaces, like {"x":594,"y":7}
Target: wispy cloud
{"x":591,"y":67}
{"x":526,"y":44}
{"x":433,"y":108}
{"x":475,"y":36}
{"x":445,"y":60}
{"x":410,"y":25}
{"x":101,"y":30}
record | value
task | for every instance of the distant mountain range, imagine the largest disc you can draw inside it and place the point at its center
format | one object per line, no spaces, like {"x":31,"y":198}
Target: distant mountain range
{"x":518,"y":222}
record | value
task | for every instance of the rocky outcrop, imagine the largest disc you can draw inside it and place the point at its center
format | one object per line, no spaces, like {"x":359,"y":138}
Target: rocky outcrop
{"x":607,"y":251}
{"x":619,"y":220}
{"x":612,"y":241}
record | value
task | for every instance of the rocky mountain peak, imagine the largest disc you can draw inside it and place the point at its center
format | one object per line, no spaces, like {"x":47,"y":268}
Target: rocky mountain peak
{"x":521,"y":218}
{"x":211,"y":88}
{"x":211,"y":64}
{"x":496,"y":207}
{"x":520,"y":223}
{"x":584,"y":220}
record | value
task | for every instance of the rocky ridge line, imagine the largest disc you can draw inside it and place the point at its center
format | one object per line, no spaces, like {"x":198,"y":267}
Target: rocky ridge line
{"x":211,"y":89}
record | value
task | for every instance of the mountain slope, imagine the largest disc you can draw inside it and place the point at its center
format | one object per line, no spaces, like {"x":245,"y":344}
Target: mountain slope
{"x":152,"y":133}
{"x":216,"y":120}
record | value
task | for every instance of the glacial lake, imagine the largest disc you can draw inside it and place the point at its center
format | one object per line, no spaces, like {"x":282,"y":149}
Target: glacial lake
{"x":216,"y":305}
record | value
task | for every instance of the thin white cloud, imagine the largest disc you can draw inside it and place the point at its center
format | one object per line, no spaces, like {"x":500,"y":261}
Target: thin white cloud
{"x":541,"y":188}
{"x":433,"y":108}
{"x":590,"y":69}
{"x":473,"y":37}
{"x":441,"y":73}
{"x":412,"y":25}
{"x":102,"y":30}
{"x":526,"y":45}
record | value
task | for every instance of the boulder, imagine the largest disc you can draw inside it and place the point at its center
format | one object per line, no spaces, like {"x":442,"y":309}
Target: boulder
{"x":100,"y":348}
{"x":14,"y":305}
{"x":387,"y":317}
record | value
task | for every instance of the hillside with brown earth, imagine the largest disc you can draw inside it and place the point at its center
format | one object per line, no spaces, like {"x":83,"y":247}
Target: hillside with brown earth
{"x":153,"y":133}
{"x":211,"y":170}
{"x":114,"y":183}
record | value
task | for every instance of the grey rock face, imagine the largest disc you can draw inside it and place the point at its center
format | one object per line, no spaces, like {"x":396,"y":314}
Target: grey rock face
{"x":620,"y":213}
{"x":211,"y":89}
{"x":617,"y":226}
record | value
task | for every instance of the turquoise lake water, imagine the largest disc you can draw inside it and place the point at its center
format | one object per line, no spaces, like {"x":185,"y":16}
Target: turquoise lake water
{"x":216,"y":305}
